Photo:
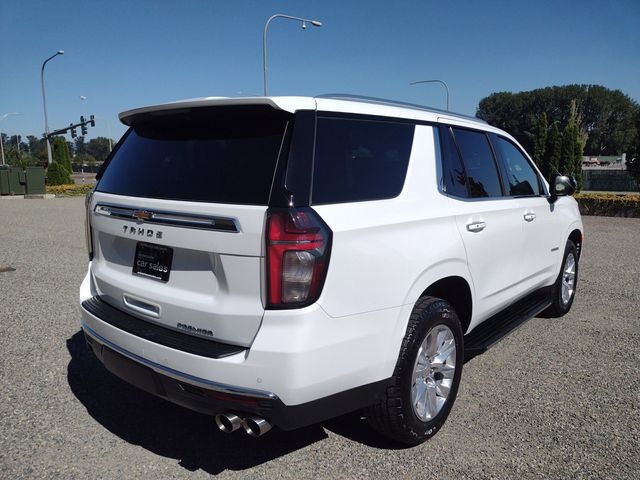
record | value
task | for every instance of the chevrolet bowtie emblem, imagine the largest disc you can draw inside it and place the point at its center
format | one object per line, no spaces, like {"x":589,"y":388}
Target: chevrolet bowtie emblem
{"x":142,"y":215}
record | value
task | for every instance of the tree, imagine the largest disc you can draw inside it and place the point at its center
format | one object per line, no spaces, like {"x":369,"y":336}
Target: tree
{"x":607,"y":115}
{"x":57,"y":174}
{"x":37,"y":148}
{"x":540,"y":140}
{"x":573,"y":141}
{"x":60,"y":152}
{"x":98,"y":148}
{"x":81,"y":146}
{"x":553,"y":152}
{"x":569,"y":139}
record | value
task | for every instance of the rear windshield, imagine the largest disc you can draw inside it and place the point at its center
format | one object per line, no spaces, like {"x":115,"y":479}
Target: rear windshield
{"x":218,"y":155}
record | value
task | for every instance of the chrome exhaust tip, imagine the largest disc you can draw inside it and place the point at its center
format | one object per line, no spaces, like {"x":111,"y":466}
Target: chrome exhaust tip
{"x":256,"y":426}
{"x":228,"y":422}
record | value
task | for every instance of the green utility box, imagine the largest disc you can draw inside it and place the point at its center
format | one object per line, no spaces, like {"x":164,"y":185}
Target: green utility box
{"x":34,"y":179}
{"x":16,"y":181}
{"x":4,"y":181}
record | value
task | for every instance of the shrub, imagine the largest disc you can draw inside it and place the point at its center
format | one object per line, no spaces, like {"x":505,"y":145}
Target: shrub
{"x":609,"y":204}
{"x":57,"y":174}
{"x":70,"y":190}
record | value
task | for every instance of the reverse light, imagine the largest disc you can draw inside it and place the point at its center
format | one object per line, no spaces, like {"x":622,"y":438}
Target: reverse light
{"x":298,"y":248}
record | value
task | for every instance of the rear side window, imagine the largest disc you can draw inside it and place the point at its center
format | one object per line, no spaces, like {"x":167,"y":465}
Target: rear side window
{"x":521,"y":177}
{"x":218,"y":155}
{"x":455,"y":180}
{"x":479,"y":164}
{"x":358,"y":160}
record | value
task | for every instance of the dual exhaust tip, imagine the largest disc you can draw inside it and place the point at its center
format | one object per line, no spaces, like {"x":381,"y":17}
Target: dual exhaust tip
{"x":254,"y":426}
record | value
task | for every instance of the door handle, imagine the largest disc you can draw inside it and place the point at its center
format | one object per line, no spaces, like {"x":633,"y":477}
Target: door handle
{"x":476,"y":227}
{"x":529,"y":217}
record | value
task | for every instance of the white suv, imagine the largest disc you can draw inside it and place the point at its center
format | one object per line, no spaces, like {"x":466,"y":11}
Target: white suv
{"x":284,"y":260}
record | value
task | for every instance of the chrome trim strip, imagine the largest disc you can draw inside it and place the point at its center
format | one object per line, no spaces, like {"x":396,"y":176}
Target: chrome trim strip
{"x":175,"y":374}
{"x":188,"y":220}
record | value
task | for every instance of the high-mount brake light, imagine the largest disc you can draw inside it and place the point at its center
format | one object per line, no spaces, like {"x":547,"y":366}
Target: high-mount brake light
{"x":298,"y":248}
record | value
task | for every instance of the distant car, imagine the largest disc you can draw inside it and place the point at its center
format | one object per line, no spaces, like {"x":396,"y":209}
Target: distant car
{"x":285,"y":260}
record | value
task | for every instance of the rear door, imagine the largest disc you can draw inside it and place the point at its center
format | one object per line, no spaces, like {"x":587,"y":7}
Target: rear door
{"x":178,"y":219}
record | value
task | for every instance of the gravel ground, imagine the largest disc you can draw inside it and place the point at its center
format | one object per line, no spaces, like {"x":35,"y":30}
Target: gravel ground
{"x":557,"y":398}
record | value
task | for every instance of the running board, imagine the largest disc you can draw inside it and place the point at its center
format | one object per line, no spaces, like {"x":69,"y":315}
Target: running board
{"x":494,"y":329}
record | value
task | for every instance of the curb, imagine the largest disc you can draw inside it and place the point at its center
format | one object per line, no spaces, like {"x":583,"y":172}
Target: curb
{"x":37,"y":196}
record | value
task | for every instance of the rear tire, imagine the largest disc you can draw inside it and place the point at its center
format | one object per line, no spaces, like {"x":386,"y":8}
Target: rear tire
{"x":426,"y":378}
{"x":564,"y":289}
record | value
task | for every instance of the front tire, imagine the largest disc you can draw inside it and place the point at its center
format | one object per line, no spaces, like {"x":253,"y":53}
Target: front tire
{"x":426,"y":378}
{"x":564,"y":289}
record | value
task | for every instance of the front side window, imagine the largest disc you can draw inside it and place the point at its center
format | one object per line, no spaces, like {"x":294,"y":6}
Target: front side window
{"x":521,"y":177}
{"x":479,"y":164}
{"x":357,"y":160}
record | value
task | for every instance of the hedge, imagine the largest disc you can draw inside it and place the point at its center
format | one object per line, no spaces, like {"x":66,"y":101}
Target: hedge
{"x":70,"y":190}
{"x":609,"y":204}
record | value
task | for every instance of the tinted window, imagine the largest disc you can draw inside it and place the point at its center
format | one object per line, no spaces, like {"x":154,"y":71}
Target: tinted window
{"x":479,"y":164}
{"x":225,"y":155}
{"x":522,"y":179}
{"x":358,"y":160}
{"x":455,"y":180}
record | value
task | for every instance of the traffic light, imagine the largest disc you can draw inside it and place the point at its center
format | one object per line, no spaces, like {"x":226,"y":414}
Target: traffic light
{"x":93,"y":120}
{"x":83,"y":126}
{"x":73,"y":132}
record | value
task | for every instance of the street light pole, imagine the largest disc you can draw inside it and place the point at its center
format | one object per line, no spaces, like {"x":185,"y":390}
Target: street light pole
{"x":2,"y":117}
{"x":44,"y":103}
{"x":435,"y":81}
{"x":304,"y":21}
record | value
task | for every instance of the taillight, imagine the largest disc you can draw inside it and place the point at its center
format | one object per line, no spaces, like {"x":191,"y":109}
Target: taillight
{"x":87,"y":224}
{"x":298,"y":247}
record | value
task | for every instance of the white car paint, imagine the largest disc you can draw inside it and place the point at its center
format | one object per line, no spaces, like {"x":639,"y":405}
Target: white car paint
{"x":384,"y":255}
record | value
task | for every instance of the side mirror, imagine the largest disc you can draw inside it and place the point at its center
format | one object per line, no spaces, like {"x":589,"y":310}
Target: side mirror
{"x":561,"y":186}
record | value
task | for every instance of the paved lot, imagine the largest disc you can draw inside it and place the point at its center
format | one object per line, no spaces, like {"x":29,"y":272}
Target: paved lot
{"x":557,"y":398}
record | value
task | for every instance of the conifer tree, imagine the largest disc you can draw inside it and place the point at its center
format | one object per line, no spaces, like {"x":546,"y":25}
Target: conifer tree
{"x":61,"y":153}
{"x":540,"y":141}
{"x":553,"y":152}
{"x":567,"y":155}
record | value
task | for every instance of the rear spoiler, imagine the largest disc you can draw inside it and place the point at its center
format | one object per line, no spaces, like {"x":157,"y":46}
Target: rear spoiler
{"x":289,"y":104}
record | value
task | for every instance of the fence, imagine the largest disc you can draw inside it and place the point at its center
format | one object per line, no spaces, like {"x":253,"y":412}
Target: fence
{"x":606,"y":180}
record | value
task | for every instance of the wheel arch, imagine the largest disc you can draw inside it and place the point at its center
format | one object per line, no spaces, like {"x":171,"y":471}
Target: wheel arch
{"x":449,"y":280}
{"x":456,"y":291}
{"x":576,"y":237}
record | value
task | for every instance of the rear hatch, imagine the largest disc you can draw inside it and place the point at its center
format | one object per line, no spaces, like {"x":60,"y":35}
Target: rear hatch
{"x":178,"y":218}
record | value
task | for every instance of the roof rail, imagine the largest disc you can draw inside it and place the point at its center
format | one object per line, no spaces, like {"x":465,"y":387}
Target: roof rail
{"x":394,"y":103}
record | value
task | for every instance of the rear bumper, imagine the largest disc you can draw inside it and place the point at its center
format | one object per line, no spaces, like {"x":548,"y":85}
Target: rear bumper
{"x":302,"y":367}
{"x":219,"y":398}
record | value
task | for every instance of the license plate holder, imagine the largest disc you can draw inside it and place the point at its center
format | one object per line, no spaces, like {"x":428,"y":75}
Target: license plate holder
{"x":153,"y":261}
